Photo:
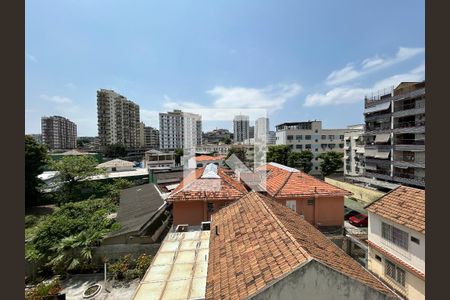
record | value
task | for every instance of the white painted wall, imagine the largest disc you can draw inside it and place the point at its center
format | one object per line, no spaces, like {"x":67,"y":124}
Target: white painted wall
{"x":415,"y":255}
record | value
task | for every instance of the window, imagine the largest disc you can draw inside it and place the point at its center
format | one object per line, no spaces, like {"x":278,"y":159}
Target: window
{"x":324,"y":137}
{"x":377,"y":257}
{"x":316,"y":140}
{"x":341,"y":146}
{"x":331,"y":137}
{"x":341,"y":137}
{"x":290,"y":137}
{"x":308,"y":146}
{"x":292,"y":204}
{"x":299,"y":137}
{"x":316,"y":149}
{"x":316,"y":131}
{"x":298,"y":147}
{"x":395,"y":235}
{"x":311,"y":202}
{"x":415,"y":240}
{"x":307,"y":137}
{"x":210,"y":207}
{"x":394,"y":272}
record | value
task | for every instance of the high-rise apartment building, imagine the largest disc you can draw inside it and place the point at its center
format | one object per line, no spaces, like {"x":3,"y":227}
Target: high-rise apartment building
{"x":261,"y":128}
{"x":241,"y":128}
{"x":58,"y":132}
{"x":118,"y":120}
{"x":395,"y":134}
{"x":354,"y":151}
{"x":151,"y":137}
{"x":301,"y":136}
{"x":179,"y":129}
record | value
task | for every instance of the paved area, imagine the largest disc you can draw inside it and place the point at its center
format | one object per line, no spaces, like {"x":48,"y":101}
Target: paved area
{"x":75,"y":286}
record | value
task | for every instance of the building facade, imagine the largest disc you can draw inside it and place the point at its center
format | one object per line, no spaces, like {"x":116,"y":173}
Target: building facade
{"x":261,"y":128}
{"x":241,"y":128}
{"x":395,"y":134}
{"x":179,"y":129}
{"x":37,"y":137}
{"x":118,"y":120}
{"x":310,"y":135}
{"x":158,"y":159}
{"x":58,"y":132}
{"x":396,"y":240}
{"x":354,"y":151}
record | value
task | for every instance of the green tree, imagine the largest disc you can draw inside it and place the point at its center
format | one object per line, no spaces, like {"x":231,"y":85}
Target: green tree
{"x":65,"y":239}
{"x":301,"y":160}
{"x":73,"y":170}
{"x":331,"y":162}
{"x":279,"y":154}
{"x":115,"y":151}
{"x":36,"y":158}
{"x":116,"y":186}
{"x":178,"y":154}
{"x":240,"y":152}
{"x":226,"y":140}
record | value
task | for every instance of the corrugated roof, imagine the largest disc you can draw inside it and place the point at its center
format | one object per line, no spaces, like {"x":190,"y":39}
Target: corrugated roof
{"x":260,"y":241}
{"x":137,"y":207}
{"x":115,"y":163}
{"x":404,"y":205}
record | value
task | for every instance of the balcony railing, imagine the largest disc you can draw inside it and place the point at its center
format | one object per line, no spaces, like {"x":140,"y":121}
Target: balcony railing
{"x":409,"y":124}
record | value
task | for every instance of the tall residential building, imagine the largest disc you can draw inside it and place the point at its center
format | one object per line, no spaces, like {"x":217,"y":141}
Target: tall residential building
{"x":395,"y":134}
{"x":151,"y":137}
{"x":241,"y":128}
{"x":58,"y":132}
{"x":118,"y":119}
{"x":354,"y":151}
{"x":141,"y":135}
{"x":251,"y":132}
{"x":310,"y":136}
{"x":179,"y":129}
{"x":261,"y":128}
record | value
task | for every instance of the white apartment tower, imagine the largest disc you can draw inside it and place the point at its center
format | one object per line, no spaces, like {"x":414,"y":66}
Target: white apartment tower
{"x":241,"y":128}
{"x":118,"y":120}
{"x":58,"y":132}
{"x":354,"y":151}
{"x":179,"y":129}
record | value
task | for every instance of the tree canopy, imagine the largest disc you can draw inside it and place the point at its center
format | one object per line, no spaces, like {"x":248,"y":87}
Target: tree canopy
{"x":115,"y":151}
{"x":279,"y":154}
{"x":36,"y":158}
{"x":301,"y":160}
{"x":72,"y":170}
{"x":331,"y":162}
{"x":178,"y":154}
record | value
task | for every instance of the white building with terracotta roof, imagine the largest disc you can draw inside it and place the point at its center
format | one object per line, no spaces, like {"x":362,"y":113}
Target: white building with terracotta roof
{"x":396,"y":240}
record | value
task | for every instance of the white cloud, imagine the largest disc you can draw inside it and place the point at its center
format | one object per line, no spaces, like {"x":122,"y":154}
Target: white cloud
{"x":345,"y":95}
{"x":150,"y":117}
{"x":271,"y":97}
{"x":56,"y":99}
{"x":371,"y":64}
{"x":31,"y":57}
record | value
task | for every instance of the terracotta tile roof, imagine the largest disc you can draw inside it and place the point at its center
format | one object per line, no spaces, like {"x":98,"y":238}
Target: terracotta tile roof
{"x":194,"y":187}
{"x":398,"y":261}
{"x":260,"y":241}
{"x":284,"y":182}
{"x":209,"y":157}
{"x":404,"y":205}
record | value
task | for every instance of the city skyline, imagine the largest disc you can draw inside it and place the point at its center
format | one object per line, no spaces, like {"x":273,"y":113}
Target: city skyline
{"x":242,"y":55}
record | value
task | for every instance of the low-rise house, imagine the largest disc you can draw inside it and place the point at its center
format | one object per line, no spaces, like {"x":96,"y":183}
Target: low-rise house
{"x":396,"y":240}
{"x":203,"y":192}
{"x":143,"y":215}
{"x":158,"y":159}
{"x":318,"y":202}
{"x":116,"y":165}
{"x":203,"y":160}
{"x":256,"y":248}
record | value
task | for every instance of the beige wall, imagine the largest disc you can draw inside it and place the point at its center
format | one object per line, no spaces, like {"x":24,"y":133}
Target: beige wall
{"x":414,"y":288}
{"x":363,"y":194}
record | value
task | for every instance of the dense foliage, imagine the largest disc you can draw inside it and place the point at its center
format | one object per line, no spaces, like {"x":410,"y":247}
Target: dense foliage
{"x":43,"y":289}
{"x":72,"y":171}
{"x":128,"y":269}
{"x":331,"y":162}
{"x":301,"y":160}
{"x":178,"y":154}
{"x":240,"y":152}
{"x":279,"y":154}
{"x":115,"y":151}
{"x":36,"y":158}
{"x":65,"y":240}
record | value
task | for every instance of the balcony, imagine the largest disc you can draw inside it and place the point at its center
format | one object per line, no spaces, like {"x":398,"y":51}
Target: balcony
{"x":409,"y":127}
{"x":409,"y":179}
{"x":378,"y":174}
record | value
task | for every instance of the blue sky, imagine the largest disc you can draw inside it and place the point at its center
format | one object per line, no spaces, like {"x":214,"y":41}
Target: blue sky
{"x":299,"y":60}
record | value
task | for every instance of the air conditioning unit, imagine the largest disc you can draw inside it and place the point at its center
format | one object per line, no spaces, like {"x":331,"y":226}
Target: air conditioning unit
{"x":182,"y":228}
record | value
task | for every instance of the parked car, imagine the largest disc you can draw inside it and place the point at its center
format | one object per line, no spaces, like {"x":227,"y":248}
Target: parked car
{"x":348,"y":212}
{"x":360,"y":220}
